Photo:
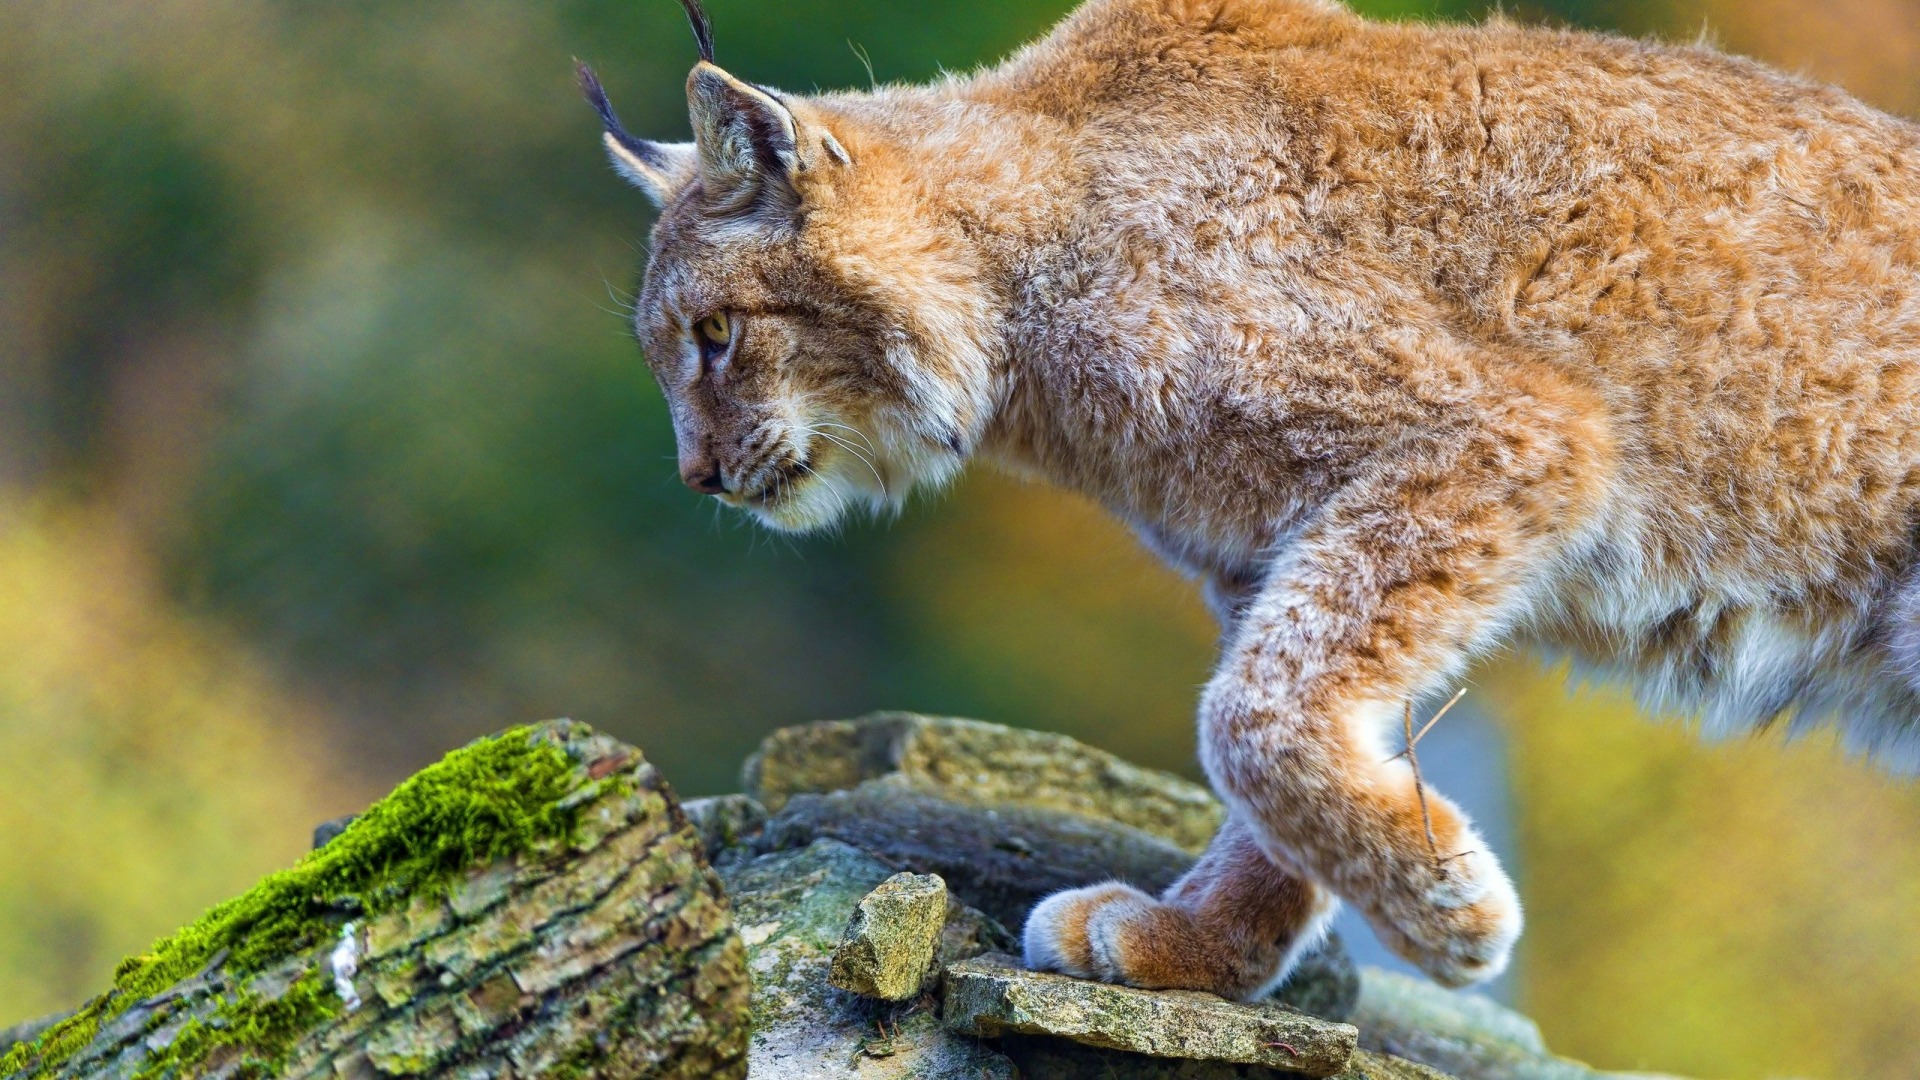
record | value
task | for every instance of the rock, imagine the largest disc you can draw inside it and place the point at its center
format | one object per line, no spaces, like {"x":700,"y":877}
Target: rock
{"x":998,"y":859}
{"x":727,"y":824}
{"x":1002,"y":858}
{"x":533,"y":905}
{"x":1058,"y":1059}
{"x":27,"y":1030}
{"x":982,"y":764}
{"x":538,"y":905}
{"x":888,"y":948}
{"x":326,"y":831}
{"x":1461,"y":1033}
{"x":993,"y":995}
{"x":1325,"y":983}
{"x":1368,"y":1065}
{"x":791,"y":907}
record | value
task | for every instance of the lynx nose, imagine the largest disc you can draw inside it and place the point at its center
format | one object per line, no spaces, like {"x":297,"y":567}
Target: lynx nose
{"x":703,"y":477}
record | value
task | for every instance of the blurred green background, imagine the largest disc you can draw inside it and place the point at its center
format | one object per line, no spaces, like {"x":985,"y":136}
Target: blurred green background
{"x":323,"y":448}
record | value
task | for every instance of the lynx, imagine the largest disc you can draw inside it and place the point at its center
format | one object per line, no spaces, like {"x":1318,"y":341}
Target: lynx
{"x":1409,"y":342}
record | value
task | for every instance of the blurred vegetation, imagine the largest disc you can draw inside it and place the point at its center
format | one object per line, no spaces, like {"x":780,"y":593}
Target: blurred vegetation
{"x":1741,"y":909}
{"x":150,"y":771}
{"x":323,"y":449}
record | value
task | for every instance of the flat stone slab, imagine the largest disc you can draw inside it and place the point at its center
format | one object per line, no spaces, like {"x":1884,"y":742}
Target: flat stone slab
{"x":993,"y":995}
{"x":1057,"y":1059}
{"x":998,"y":859}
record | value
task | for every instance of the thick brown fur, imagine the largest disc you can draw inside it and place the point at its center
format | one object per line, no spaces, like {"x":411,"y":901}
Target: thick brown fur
{"x":1409,"y":341}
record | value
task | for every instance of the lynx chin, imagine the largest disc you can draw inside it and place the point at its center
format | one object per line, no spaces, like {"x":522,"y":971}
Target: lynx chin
{"x":1410,"y":342}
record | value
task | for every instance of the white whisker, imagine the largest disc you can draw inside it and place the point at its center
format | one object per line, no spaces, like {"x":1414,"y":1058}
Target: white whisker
{"x":627,"y":305}
{"x":855,"y":451}
{"x":861,"y":435}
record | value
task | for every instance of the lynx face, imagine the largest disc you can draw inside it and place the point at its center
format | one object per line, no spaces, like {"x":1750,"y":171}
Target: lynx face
{"x":809,"y":367}
{"x":770,"y":392}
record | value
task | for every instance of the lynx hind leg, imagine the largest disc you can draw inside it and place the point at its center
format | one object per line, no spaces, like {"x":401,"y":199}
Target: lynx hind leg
{"x":1234,"y":925}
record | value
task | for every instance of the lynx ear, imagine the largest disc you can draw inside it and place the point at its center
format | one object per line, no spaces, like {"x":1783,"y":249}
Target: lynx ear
{"x":661,"y":170}
{"x":751,"y":143}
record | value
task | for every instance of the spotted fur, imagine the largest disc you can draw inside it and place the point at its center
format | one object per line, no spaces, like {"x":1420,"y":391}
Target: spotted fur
{"x":1410,"y":342}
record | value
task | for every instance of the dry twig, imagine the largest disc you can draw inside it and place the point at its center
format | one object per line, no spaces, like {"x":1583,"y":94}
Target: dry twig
{"x":1419,"y":787}
{"x":1414,"y":738}
{"x":1419,"y":784}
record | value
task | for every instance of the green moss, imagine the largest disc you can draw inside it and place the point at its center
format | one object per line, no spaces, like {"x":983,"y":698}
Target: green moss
{"x":497,"y":797}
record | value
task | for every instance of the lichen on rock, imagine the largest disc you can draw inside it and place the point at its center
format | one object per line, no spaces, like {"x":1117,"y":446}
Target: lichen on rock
{"x":887,"y":951}
{"x":792,"y":907}
{"x":993,"y":995}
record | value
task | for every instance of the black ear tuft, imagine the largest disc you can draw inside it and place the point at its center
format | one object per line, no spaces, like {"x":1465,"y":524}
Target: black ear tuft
{"x":596,"y":96}
{"x":702,"y":28}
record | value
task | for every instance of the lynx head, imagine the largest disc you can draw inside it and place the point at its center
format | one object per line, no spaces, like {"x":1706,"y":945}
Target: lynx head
{"x":821,"y":340}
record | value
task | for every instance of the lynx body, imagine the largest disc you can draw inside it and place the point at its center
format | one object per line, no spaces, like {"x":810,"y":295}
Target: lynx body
{"x":1410,"y":342}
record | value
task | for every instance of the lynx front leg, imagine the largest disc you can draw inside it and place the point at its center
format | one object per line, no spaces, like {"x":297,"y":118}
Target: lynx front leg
{"x":1393,"y":587}
{"x":1233,"y":925}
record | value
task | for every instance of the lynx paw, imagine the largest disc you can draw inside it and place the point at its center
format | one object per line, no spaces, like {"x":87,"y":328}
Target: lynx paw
{"x":1462,"y":927}
{"x":1078,"y":932}
{"x":1116,"y":933}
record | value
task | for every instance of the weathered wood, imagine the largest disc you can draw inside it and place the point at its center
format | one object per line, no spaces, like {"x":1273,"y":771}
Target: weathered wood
{"x":607,"y":953}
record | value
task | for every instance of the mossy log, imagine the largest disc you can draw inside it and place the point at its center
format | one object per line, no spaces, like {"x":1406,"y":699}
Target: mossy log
{"x":534,"y":905}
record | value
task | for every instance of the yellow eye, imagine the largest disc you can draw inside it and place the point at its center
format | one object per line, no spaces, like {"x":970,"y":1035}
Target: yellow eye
{"x":715,"y":329}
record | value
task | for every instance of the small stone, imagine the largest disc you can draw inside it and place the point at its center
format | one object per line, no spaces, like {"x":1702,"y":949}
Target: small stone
{"x":726,"y":823}
{"x":325,"y":832}
{"x":992,"y":995}
{"x":888,"y":949}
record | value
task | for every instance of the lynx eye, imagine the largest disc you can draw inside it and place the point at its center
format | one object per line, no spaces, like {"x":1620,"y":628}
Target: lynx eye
{"x":714,"y":337}
{"x":715,"y":332}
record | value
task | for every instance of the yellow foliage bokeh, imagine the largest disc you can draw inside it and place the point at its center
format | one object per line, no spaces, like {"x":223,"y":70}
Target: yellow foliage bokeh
{"x":1741,"y":908}
{"x":147,"y":770}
